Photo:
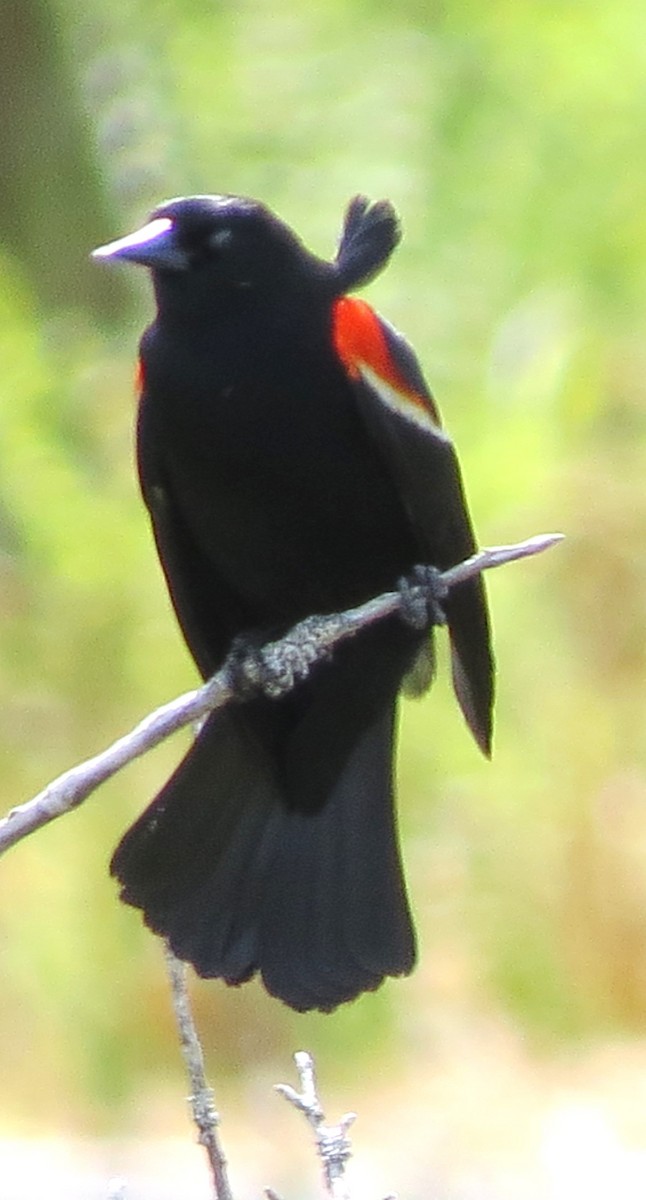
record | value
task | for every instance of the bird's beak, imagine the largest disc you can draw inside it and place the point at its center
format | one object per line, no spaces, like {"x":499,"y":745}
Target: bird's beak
{"x":154,"y":245}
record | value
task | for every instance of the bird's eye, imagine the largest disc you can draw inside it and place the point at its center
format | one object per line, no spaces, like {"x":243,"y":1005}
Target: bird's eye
{"x":221,"y":239}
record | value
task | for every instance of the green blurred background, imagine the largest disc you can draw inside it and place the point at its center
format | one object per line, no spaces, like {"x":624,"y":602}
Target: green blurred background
{"x":510,"y":136}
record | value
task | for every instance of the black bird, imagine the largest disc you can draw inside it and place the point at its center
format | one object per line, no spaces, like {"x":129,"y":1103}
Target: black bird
{"x":293,"y":462}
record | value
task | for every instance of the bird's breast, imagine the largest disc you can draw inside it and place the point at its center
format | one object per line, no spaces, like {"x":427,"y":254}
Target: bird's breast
{"x":277,"y":477}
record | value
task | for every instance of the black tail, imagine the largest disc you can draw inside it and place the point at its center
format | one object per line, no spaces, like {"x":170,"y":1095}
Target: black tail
{"x":240,"y":881}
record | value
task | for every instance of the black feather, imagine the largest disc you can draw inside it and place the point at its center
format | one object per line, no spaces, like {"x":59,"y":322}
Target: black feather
{"x":370,"y":233}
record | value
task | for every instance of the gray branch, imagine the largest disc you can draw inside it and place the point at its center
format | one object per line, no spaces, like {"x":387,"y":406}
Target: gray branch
{"x":205,"y":1115}
{"x":332,"y":1142}
{"x":288,"y":660}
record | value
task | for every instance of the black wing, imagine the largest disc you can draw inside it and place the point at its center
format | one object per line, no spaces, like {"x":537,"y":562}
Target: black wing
{"x":401,"y":416}
{"x":210,"y":614}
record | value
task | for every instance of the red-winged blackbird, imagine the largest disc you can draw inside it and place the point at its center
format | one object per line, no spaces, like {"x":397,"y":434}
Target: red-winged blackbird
{"x":293,"y":463}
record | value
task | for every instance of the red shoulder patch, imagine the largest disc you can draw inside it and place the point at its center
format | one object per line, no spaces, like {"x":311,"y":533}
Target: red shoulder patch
{"x":140,"y":378}
{"x":367,"y":352}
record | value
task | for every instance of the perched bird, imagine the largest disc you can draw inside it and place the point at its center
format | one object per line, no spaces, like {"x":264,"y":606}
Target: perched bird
{"x":293,"y":463}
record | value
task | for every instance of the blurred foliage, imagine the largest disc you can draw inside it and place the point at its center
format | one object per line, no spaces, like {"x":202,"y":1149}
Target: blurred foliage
{"x":510,"y":136}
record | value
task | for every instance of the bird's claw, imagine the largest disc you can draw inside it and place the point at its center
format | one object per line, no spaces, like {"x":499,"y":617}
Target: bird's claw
{"x":422,"y":595}
{"x":272,"y":669}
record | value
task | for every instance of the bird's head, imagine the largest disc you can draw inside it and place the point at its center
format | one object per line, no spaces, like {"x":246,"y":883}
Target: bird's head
{"x":228,"y":240}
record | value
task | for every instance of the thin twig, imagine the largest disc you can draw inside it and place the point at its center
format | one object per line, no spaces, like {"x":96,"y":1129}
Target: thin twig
{"x":74,"y":786}
{"x":204,"y":1113}
{"x":332,"y":1142}
{"x":290,"y":658}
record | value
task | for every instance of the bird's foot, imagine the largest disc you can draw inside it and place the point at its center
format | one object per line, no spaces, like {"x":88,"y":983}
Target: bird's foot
{"x":422,"y":596}
{"x":273,"y":669}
